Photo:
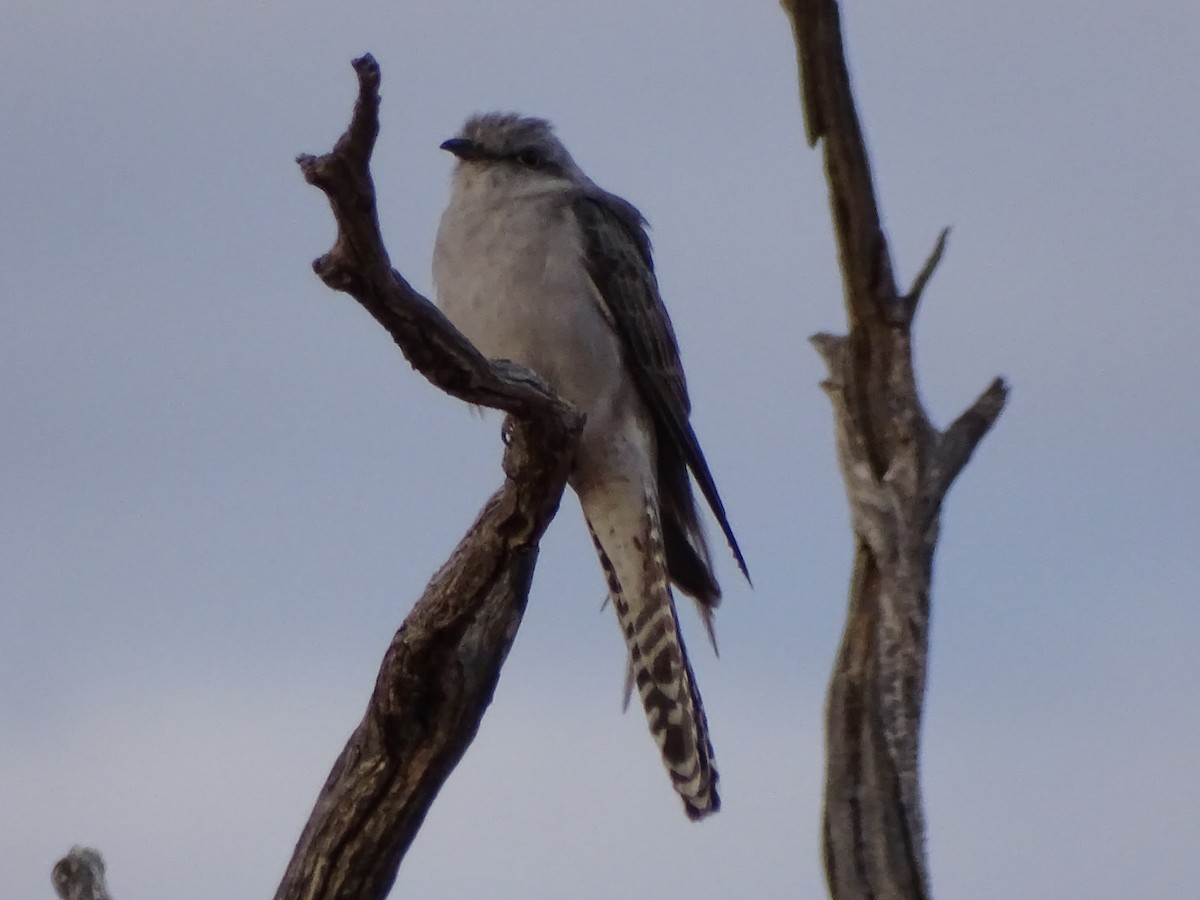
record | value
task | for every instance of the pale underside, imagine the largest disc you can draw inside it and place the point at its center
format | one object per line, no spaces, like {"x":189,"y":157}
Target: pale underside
{"x":510,"y":273}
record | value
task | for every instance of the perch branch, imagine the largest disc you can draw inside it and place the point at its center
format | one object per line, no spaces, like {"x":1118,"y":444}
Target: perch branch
{"x":438,"y":675}
{"x":897,"y":468}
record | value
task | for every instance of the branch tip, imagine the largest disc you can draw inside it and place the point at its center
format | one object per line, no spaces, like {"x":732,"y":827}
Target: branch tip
{"x":913,"y":297}
{"x":830,"y":347}
{"x":358,"y":141}
{"x":963,"y":435}
{"x":324,"y":171}
{"x":987,"y":405}
{"x":368,"y":69}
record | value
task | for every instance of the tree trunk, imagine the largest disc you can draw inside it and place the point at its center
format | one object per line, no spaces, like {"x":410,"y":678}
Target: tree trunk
{"x":897,"y":468}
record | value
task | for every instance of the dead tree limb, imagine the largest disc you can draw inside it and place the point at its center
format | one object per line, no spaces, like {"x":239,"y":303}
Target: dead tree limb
{"x":897,"y":467}
{"x":439,"y":673}
{"x":80,"y":876}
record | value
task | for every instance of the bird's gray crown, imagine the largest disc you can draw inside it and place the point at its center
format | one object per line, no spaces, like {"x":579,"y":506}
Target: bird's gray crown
{"x":509,"y":137}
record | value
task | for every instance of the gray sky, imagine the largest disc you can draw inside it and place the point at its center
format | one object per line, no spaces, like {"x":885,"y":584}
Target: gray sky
{"x":222,"y":486}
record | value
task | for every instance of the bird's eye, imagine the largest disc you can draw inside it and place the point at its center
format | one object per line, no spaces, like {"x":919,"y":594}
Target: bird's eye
{"x":530,"y":158}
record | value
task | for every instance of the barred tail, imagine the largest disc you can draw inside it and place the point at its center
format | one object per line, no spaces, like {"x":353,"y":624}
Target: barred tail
{"x":635,"y":567}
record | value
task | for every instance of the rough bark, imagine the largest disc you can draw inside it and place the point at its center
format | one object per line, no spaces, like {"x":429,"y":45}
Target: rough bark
{"x":80,"y":876}
{"x":897,"y":467}
{"x":439,"y":673}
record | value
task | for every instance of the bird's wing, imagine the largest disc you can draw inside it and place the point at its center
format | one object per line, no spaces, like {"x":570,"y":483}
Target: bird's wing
{"x":618,"y":257}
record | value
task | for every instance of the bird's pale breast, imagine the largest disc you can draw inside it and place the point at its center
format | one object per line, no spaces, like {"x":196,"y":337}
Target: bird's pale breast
{"x":509,"y":274}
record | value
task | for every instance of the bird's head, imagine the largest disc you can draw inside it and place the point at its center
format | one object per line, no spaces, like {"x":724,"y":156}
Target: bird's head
{"x":517,"y":145}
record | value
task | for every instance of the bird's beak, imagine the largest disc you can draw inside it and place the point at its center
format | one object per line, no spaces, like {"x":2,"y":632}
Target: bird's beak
{"x":464,"y":148}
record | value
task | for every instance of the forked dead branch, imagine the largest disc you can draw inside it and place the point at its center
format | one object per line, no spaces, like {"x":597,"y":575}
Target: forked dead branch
{"x":439,"y":674}
{"x":897,"y":467}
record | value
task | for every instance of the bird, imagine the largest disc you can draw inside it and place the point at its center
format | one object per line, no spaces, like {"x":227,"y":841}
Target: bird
{"x":535,"y":263}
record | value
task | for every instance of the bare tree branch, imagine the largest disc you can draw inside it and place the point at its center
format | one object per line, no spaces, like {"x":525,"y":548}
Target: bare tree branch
{"x":897,"y":468}
{"x":964,"y":434}
{"x":913,"y":297}
{"x":80,"y":876}
{"x":440,"y":671}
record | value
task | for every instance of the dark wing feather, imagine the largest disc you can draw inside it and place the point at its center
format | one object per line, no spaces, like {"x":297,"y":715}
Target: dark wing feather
{"x":617,"y":251}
